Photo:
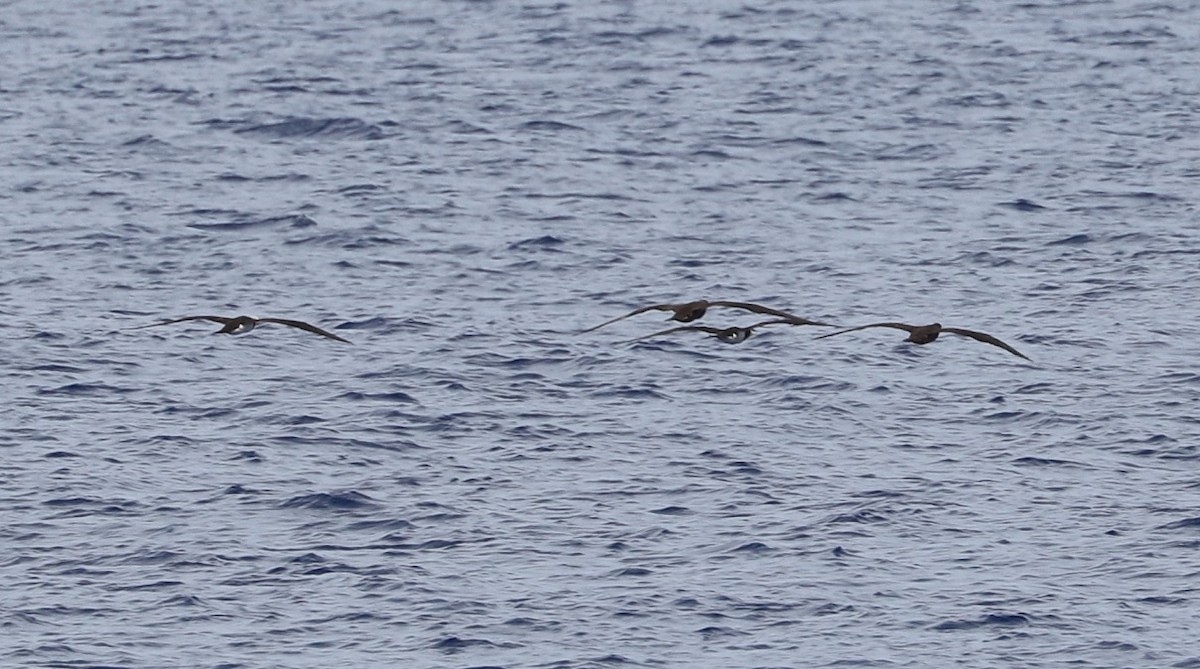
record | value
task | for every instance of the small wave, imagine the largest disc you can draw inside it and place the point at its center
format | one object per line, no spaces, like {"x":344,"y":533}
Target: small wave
{"x":1021,"y":204}
{"x":83,"y":389}
{"x":1185,"y":524}
{"x":293,"y":221}
{"x":396,"y":396}
{"x":330,"y":128}
{"x":555,"y":126}
{"x":630,"y":393}
{"x":1042,"y":462}
{"x":455,"y":644}
{"x":990,"y":620}
{"x":322,"y":501}
{"x":1073,"y":240}
{"x":673,"y":511}
{"x":543,"y":242}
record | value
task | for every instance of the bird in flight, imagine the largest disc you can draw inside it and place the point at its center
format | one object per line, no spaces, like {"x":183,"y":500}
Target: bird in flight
{"x":925,"y":334}
{"x":733,"y":335}
{"x":243,"y":324}
{"x":690,"y":311}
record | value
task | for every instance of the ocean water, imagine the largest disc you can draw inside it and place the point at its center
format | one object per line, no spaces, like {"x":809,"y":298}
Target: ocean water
{"x":460,"y":188}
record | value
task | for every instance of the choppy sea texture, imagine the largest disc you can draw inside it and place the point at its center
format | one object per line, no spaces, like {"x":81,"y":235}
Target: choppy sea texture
{"x":459,"y":188}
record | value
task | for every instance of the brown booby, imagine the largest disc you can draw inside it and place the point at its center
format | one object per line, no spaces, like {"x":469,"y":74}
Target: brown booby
{"x":925,"y":334}
{"x":733,"y":335}
{"x":243,"y":324}
{"x":690,"y":311}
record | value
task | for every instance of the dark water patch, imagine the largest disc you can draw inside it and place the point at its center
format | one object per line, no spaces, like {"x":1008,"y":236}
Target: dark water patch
{"x":1184,"y":378}
{"x":627,"y":392}
{"x":1073,"y":240}
{"x":361,"y":189}
{"x":351,"y":240}
{"x":833,"y":197}
{"x":984,"y":258}
{"x":1185,"y":524}
{"x":864,"y":516}
{"x":545,"y":242}
{"x":1022,"y":417}
{"x":146,"y":141}
{"x":340,"y":501}
{"x":57,"y":368}
{"x":673,"y":511}
{"x":168,"y":439}
{"x":1141,"y":195}
{"x":807,"y":382}
{"x":720,"y":40}
{"x":880,"y":494}
{"x":237,"y":489}
{"x":1180,"y":452}
{"x":1150,"y":253}
{"x":390,"y":545}
{"x":1046,"y":462}
{"x":989,"y":620}
{"x":629,"y":572}
{"x":905,"y":152}
{"x":346,"y":446}
{"x":454,"y":644}
{"x":711,"y":154}
{"x":373,"y":323}
{"x":991,"y":99}
{"x":316,"y":128}
{"x":743,"y":468}
{"x":550,"y":126}
{"x":248,"y":456}
{"x":381,"y":524}
{"x":754,"y":547}
{"x":391,"y":398}
{"x":292,"y":221}
{"x":156,"y":585}
{"x":210,"y":212}
{"x":149,"y":557}
{"x":1021,"y":204}
{"x":84,"y":390}
{"x":494,"y":359}
{"x":715,"y":632}
{"x":76,"y":507}
{"x":460,"y":127}
{"x":60,"y":454}
{"x":568,"y":196}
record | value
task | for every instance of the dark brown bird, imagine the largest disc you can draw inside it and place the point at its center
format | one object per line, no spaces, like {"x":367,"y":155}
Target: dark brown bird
{"x":734,"y":335}
{"x":690,"y":311}
{"x":925,"y":334}
{"x":243,"y":324}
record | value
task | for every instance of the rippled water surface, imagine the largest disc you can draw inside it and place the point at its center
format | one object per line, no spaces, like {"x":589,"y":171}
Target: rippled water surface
{"x":459,"y":188}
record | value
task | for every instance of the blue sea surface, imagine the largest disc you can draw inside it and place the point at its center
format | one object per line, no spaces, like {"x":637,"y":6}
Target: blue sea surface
{"x":460,"y":188}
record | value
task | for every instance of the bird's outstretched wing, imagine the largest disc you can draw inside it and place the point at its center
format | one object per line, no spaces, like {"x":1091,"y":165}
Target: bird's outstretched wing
{"x":701,"y":328}
{"x":987,"y":339}
{"x":303,"y":326}
{"x":635,"y":312}
{"x":760,"y":309}
{"x":216,"y":319}
{"x":899,"y":326}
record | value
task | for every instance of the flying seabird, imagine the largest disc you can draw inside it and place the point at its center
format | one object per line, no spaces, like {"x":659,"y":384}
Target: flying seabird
{"x":243,"y":324}
{"x":733,"y":335}
{"x":924,"y":334}
{"x":690,"y":311}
